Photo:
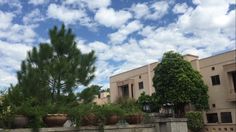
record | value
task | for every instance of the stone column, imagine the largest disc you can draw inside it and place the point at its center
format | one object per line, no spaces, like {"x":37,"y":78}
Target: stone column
{"x":171,"y":125}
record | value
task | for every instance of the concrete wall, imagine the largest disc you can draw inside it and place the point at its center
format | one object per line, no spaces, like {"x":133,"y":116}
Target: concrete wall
{"x":159,"y":125}
{"x":142,"y":74}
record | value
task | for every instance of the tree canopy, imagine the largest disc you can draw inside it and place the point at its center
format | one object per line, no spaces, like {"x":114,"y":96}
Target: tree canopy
{"x":54,"y":70}
{"x":176,"y":82}
{"x":89,"y":93}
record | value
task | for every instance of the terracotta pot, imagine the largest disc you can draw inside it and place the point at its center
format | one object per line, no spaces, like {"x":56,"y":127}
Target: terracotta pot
{"x":55,"y":120}
{"x":20,"y":121}
{"x":112,"y":120}
{"x":134,"y":119}
{"x":89,"y":119}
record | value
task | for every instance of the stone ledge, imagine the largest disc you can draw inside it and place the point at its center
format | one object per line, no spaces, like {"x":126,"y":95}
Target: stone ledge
{"x":84,"y":128}
{"x":170,"y":120}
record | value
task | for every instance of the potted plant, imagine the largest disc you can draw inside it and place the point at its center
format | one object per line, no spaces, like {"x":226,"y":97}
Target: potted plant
{"x":112,"y":113}
{"x":133,"y":114}
{"x":89,"y":114}
{"x":56,"y":115}
{"x":85,"y":114}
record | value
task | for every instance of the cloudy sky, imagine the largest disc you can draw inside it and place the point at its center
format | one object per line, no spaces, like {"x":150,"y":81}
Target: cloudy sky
{"x":124,"y":33}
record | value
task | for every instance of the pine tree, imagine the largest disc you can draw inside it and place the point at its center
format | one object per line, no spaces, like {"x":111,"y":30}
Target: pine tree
{"x":55,"y":69}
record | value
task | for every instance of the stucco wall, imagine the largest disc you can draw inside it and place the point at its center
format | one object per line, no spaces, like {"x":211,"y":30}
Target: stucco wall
{"x":159,"y":125}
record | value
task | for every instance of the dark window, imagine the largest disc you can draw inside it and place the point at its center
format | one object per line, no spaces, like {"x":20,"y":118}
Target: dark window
{"x":213,"y":68}
{"x":132,"y":90}
{"x":213,"y":105}
{"x":234,"y":79}
{"x":212,"y":118}
{"x":140,"y":77}
{"x":125,"y":90}
{"x":226,"y":117}
{"x":140,"y":85}
{"x":215,"y":80}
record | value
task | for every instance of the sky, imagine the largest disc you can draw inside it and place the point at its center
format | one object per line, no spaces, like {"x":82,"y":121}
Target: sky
{"x":125,"y":34}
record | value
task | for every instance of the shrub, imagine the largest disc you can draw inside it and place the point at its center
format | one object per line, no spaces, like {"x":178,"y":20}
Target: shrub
{"x":195,"y":121}
{"x":152,"y":101}
{"x":129,"y":106}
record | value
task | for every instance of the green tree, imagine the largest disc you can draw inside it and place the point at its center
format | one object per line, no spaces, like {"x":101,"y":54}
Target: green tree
{"x":176,"y":82}
{"x":56,"y":68}
{"x":89,"y":93}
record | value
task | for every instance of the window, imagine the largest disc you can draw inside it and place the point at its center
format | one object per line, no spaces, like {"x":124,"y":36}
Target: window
{"x":212,"y":118}
{"x":234,"y":80}
{"x":132,"y":90}
{"x":215,"y":80}
{"x":140,"y":77}
{"x":213,"y":105}
{"x":226,"y":117}
{"x":213,"y":68}
{"x":140,"y":85}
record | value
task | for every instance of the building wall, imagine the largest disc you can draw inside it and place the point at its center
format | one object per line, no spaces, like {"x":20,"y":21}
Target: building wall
{"x":102,"y":99}
{"x":222,"y":97}
{"x":133,"y":77}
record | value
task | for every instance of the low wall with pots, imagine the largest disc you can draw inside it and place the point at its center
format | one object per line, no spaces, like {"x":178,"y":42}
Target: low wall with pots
{"x":158,"y":125}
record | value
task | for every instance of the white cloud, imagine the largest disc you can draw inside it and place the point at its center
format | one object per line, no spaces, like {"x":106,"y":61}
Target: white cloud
{"x":150,"y":11}
{"x":37,"y":2}
{"x":6,"y":79}
{"x":11,"y":57}
{"x":13,"y":4}
{"x":15,"y":32}
{"x":180,"y":8}
{"x":140,"y":10}
{"x":69,"y":16}
{"x":18,"y":33}
{"x":96,"y":4}
{"x":124,"y":31}
{"x":209,"y":17}
{"x":33,"y":17}
{"x":111,"y":18}
{"x":158,"y":10}
{"x":6,"y":19}
{"x":90,"y":4}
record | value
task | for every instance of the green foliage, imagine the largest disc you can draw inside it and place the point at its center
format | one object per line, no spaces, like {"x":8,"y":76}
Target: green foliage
{"x":89,"y":93}
{"x":129,"y":106}
{"x":175,"y":81}
{"x":112,"y":109}
{"x":48,"y":77}
{"x":153,"y":101}
{"x":195,"y":121}
{"x":78,"y":113}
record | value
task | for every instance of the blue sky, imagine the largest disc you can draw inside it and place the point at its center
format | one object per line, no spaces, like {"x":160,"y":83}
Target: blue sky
{"x":124,"y":33}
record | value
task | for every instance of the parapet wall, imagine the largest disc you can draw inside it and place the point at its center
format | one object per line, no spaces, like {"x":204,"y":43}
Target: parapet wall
{"x":158,"y":125}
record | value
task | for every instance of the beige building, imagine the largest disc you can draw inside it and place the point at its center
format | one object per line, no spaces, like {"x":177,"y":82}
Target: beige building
{"x":103,"y":98}
{"x":218,"y":72}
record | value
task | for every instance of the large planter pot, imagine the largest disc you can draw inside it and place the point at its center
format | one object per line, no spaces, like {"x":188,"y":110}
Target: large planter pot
{"x":20,"y":121}
{"x":89,"y":119}
{"x":134,"y":119}
{"x":55,"y":120}
{"x":111,"y":120}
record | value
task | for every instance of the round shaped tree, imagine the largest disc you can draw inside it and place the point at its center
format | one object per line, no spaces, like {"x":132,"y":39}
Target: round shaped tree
{"x":176,"y":82}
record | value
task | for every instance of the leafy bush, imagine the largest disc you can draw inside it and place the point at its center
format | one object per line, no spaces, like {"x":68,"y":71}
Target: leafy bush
{"x":195,"y":121}
{"x":111,"y":109}
{"x":152,"y":101}
{"x":129,"y":106}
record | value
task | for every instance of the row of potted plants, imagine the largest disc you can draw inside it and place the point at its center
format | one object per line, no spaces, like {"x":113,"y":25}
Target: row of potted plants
{"x":80,"y":115}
